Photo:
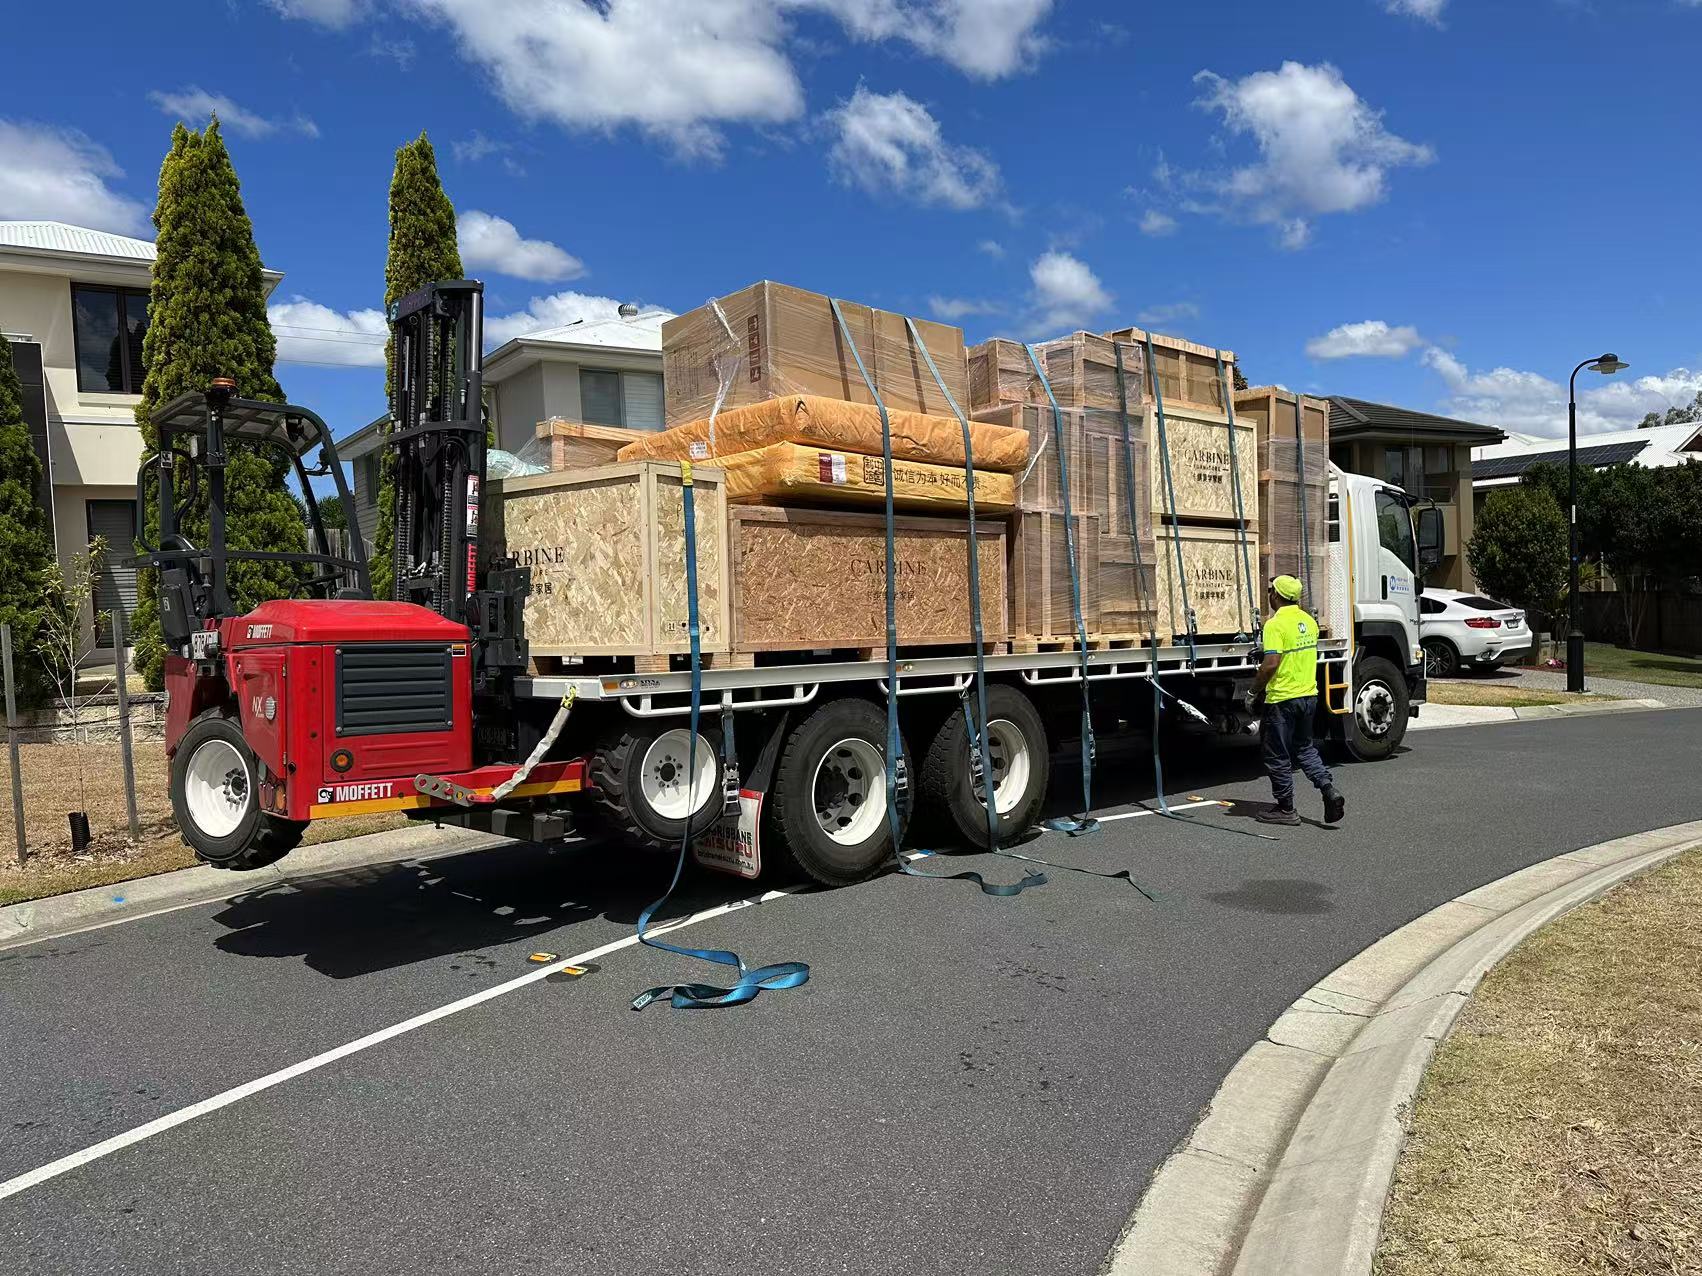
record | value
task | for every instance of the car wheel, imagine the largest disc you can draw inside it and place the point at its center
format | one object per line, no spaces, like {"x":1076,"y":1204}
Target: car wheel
{"x":1441,"y":660}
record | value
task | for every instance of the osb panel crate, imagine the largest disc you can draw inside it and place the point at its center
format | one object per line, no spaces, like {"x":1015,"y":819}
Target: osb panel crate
{"x":575,"y":445}
{"x":806,"y":578}
{"x":607,"y":551}
{"x":1217,"y":581}
{"x":1041,"y":603}
{"x":1201,"y":473}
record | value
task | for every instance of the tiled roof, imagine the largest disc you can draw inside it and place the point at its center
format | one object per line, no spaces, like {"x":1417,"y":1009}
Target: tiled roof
{"x":1356,"y":416}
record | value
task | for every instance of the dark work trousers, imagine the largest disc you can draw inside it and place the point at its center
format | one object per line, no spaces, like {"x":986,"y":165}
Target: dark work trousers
{"x":1285,"y":732}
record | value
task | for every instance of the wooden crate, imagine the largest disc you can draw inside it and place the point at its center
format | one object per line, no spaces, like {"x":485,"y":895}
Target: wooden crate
{"x":1187,"y":372}
{"x":1041,"y":488}
{"x":607,"y":551}
{"x":1041,"y":609}
{"x":1127,"y":590}
{"x":1217,"y":581}
{"x":1264,"y":405}
{"x":1201,"y":475}
{"x":808,"y":578}
{"x":1082,"y":370}
{"x":575,"y":445}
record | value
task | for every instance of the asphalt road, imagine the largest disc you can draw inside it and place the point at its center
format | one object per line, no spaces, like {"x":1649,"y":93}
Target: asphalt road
{"x":968,"y":1084}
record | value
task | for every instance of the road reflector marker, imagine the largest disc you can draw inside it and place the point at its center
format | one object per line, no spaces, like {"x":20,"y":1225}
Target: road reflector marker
{"x":541,"y":958}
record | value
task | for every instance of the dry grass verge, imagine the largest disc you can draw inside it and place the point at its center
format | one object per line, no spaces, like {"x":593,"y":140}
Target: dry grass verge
{"x":1559,"y":1128}
{"x":1488,"y":693}
{"x":61,"y":778}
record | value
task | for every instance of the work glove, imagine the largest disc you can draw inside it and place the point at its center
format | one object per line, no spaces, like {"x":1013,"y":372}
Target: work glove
{"x":1255,"y":701}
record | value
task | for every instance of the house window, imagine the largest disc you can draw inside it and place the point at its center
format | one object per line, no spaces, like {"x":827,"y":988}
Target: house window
{"x":631,"y":399}
{"x":1426,"y":472}
{"x":109,"y":324}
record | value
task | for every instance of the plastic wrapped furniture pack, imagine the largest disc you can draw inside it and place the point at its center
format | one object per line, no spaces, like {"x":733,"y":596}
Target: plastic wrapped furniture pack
{"x":786,"y":473}
{"x":1081,"y":367}
{"x":786,"y":342}
{"x":1187,"y":371}
{"x":836,"y":426}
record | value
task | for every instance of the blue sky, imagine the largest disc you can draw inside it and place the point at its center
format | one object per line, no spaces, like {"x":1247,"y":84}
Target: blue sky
{"x":1440,"y":203}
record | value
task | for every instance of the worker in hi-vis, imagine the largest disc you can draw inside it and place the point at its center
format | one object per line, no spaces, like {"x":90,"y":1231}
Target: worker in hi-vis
{"x":1285,"y":694}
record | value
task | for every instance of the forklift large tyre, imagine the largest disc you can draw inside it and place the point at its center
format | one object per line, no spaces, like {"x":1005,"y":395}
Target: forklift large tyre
{"x":215,"y":795}
{"x":1016,"y":744}
{"x":829,"y":803}
{"x":639,"y":774}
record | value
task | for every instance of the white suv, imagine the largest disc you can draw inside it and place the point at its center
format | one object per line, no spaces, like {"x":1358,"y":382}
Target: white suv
{"x":1461,"y":630}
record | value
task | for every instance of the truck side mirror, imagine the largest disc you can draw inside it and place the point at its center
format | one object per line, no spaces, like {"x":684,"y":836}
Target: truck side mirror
{"x":1429,"y":536}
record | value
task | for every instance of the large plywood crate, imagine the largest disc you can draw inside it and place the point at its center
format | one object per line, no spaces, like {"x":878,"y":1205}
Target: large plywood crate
{"x":809,"y":578}
{"x":1081,"y":369}
{"x":771,"y":340}
{"x":1186,"y":371}
{"x":1042,"y":606}
{"x":607,"y":551}
{"x":1217,"y":581}
{"x":1294,"y":488}
{"x":1203,"y":468}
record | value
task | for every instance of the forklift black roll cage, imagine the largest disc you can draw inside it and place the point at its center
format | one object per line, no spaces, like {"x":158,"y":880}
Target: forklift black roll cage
{"x":194,"y":582}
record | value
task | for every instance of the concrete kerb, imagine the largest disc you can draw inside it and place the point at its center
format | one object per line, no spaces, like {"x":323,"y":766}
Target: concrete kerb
{"x":124,"y":901}
{"x":1290,"y":1167}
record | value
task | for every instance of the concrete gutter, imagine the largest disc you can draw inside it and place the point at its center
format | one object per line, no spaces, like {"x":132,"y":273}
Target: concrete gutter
{"x":125,"y":901}
{"x":1290,"y":1167}
{"x":1435,"y":716}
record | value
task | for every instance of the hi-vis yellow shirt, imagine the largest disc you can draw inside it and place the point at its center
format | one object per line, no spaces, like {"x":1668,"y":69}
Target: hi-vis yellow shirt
{"x":1293,"y":635}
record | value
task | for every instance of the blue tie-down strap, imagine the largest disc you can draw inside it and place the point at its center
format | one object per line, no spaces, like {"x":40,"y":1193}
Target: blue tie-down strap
{"x":786,"y":974}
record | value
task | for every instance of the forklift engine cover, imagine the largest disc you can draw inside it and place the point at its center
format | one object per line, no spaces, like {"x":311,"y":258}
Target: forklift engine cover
{"x":343,"y":702}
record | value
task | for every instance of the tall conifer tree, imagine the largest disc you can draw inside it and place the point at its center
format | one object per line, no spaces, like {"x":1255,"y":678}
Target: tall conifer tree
{"x":206,"y":319}
{"x":423,"y":250}
{"x":26,"y":542}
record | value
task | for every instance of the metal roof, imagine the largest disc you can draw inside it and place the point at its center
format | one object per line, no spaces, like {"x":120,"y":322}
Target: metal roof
{"x":58,"y":237}
{"x":1602,"y":454}
{"x":1350,"y":417}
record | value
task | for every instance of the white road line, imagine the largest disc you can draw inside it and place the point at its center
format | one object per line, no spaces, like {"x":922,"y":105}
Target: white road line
{"x":65,"y":1164}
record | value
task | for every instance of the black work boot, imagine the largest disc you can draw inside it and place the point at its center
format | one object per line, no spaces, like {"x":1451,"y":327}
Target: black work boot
{"x":1335,"y":806}
{"x":1274,"y":814}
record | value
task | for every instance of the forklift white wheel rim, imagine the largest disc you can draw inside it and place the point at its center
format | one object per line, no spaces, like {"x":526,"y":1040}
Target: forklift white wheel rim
{"x":216,"y":788}
{"x":662,"y":773}
{"x":849,"y":790}
{"x":1007,"y":750}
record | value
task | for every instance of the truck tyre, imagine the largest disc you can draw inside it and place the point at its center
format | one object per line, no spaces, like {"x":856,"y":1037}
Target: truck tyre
{"x":828,"y":807}
{"x":639,"y":774}
{"x":1016,"y":743}
{"x":1378,"y":722}
{"x":215,"y":796}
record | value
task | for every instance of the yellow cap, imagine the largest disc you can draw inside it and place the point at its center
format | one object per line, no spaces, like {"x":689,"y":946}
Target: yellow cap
{"x":1287,"y":587}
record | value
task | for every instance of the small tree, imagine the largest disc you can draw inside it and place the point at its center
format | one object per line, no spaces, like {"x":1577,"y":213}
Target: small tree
{"x":26,"y":543}
{"x":1518,"y":550}
{"x":62,"y":648}
{"x":423,"y":250}
{"x":206,"y":319}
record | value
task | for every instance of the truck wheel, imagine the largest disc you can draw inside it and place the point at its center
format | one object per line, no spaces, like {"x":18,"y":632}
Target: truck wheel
{"x":829,"y":805}
{"x":1378,"y":722}
{"x":640,"y":778}
{"x":1017,"y":749}
{"x":215,"y":796}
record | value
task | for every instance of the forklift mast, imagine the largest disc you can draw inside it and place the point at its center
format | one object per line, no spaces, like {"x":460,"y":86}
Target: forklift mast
{"x":438,"y":431}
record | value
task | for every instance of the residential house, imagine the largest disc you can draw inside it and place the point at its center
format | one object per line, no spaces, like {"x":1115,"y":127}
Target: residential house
{"x":1503,"y":464}
{"x":599,"y":371}
{"x":1428,"y":456}
{"x":74,"y":306}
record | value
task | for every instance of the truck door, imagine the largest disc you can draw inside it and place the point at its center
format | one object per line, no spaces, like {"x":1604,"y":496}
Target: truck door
{"x":1394,"y":589}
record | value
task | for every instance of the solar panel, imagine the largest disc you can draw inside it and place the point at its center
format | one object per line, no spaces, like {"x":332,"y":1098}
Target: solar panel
{"x":1602,"y":454}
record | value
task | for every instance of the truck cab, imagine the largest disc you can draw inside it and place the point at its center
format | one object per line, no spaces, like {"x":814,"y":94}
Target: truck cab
{"x":1378,"y":553}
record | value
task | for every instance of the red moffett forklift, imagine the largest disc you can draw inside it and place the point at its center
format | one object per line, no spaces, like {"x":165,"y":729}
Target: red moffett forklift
{"x":335,"y":703}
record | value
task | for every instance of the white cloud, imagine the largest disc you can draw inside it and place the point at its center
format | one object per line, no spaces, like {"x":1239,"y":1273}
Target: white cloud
{"x":308,"y":332}
{"x":1157,"y":224}
{"x":1430,"y":10}
{"x":1163,"y":316}
{"x":193,"y":105}
{"x":1530,"y":403}
{"x":554,"y":311}
{"x":492,"y":243}
{"x":680,"y":70}
{"x":1372,"y":338}
{"x":952,"y":309}
{"x":1322,"y":149}
{"x":335,"y":14}
{"x":60,"y":175}
{"x":1066,"y":293}
{"x":994,"y":249}
{"x":888,"y":143}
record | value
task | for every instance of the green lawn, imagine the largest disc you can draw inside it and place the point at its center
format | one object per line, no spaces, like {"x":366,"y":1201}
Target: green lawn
{"x":1607,"y":661}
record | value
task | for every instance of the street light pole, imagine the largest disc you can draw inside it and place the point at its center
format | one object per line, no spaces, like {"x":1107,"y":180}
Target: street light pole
{"x":1607,"y":365}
